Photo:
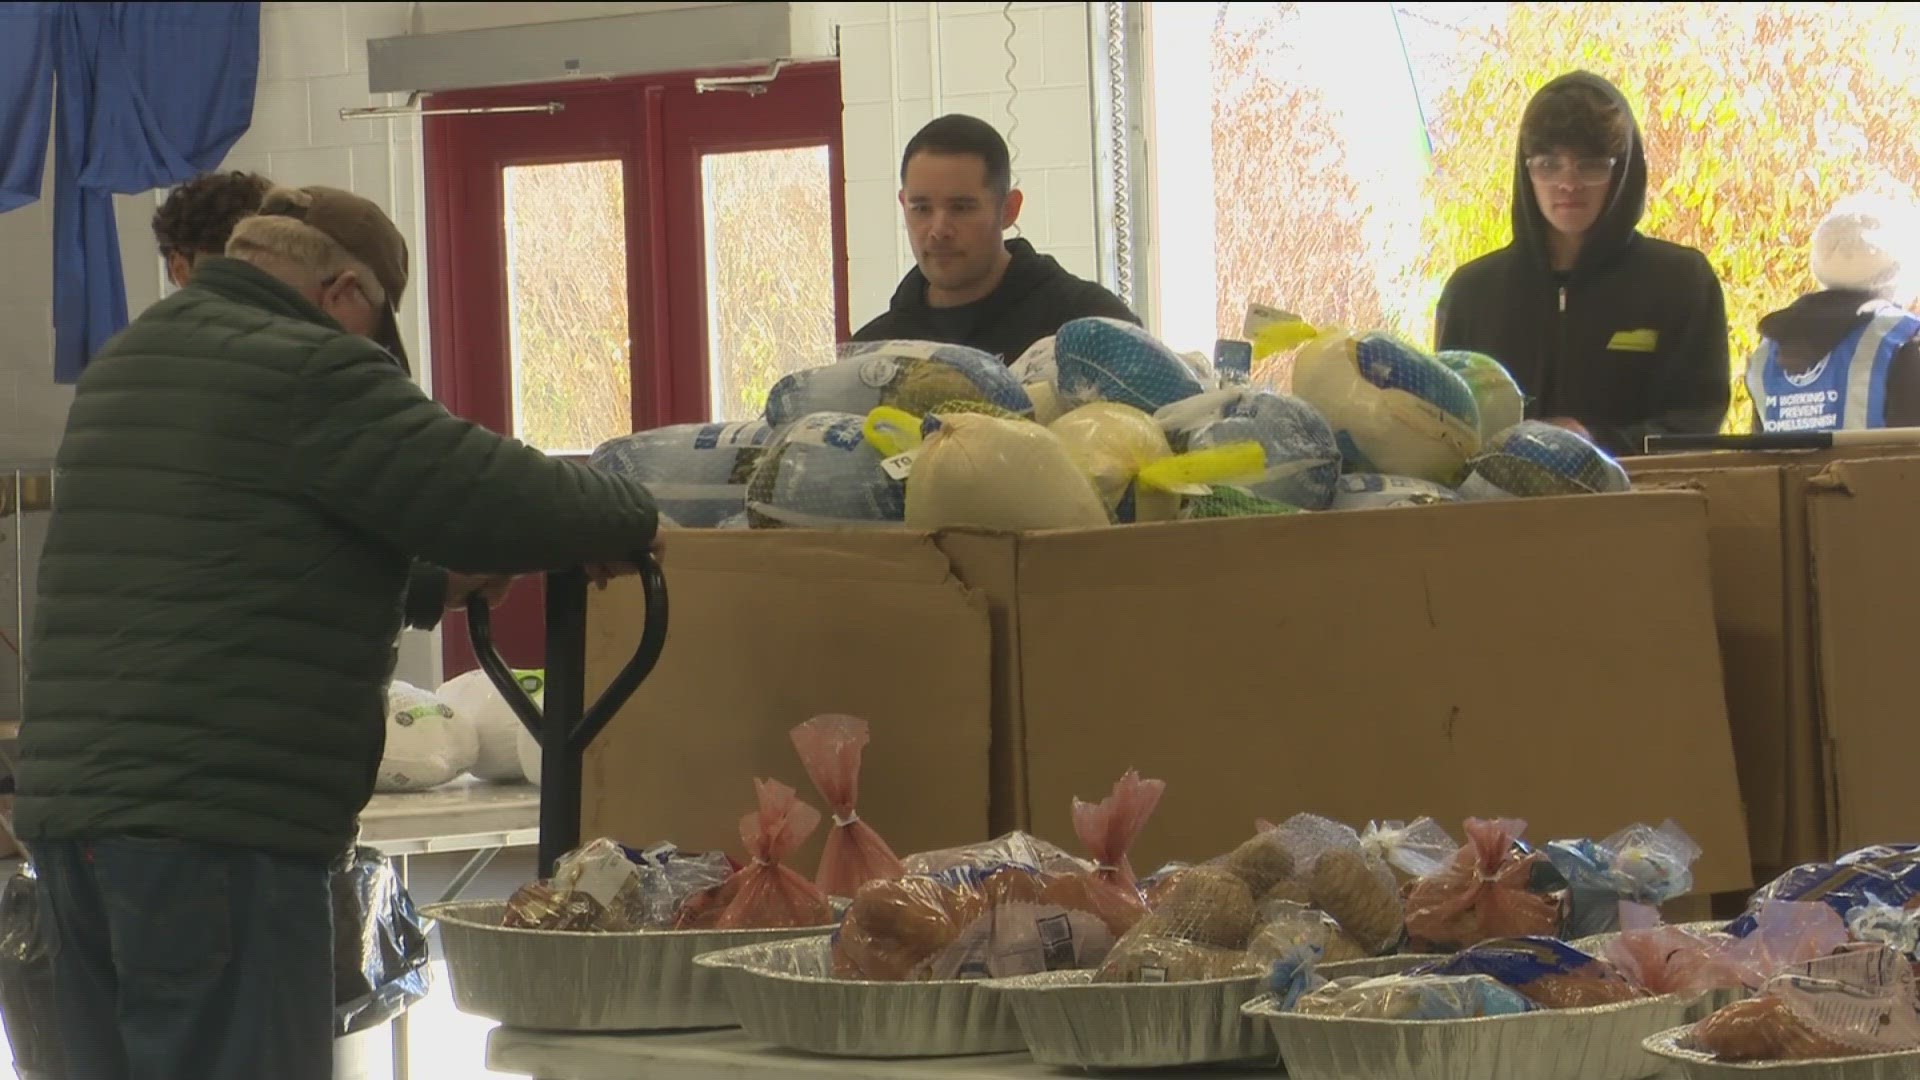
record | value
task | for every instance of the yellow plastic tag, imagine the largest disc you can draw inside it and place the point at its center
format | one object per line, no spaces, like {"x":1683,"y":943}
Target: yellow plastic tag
{"x":892,"y":431}
{"x":1189,"y":473}
{"x":1634,"y":341}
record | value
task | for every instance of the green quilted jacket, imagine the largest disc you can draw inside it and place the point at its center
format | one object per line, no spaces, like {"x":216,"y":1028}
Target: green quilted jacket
{"x":242,"y":491}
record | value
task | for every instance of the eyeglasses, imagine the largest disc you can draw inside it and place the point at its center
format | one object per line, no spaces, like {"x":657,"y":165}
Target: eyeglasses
{"x":1582,"y":170}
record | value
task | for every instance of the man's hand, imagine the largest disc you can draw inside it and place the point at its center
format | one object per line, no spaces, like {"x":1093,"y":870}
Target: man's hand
{"x":1570,"y":424}
{"x":602,"y":573}
{"x":463,"y":587}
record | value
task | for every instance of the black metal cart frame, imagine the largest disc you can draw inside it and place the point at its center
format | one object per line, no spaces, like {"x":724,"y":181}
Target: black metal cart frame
{"x":568,"y":724}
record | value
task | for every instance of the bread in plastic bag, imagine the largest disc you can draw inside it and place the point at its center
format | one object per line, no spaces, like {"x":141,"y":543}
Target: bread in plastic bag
{"x":1148,"y":958}
{"x":1406,"y":997}
{"x":1013,"y":849}
{"x":978,"y":471}
{"x":474,"y":699}
{"x":1487,"y":890}
{"x":1883,"y":875}
{"x":911,"y":375}
{"x":1301,"y":457}
{"x":427,"y":744}
{"x":697,"y":473}
{"x":1552,"y":974}
{"x":1534,"y":459}
{"x":1498,"y":396}
{"x":1110,"y":443}
{"x":821,"y":472}
{"x":830,"y":749}
{"x":1856,"y":1002}
{"x":1107,"y":830}
{"x":537,"y":905}
{"x":1393,"y":407}
{"x":1102,"y":359}
{"x":1896,"y":928}
{"x":1372,"y":491}
{"x":766,"y":894}
{"x":1637,"y":865}
{"x":896,"y":927}
{"x":1284,"y":927}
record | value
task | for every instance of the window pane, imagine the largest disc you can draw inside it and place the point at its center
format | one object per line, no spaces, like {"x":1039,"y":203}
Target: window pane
{"x":1350,"y":198}
{"x":567,"y":304}
{"x":769,"y":236}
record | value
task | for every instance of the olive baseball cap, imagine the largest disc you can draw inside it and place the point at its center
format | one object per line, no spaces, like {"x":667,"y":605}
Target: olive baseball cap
{"x":360,"y":227}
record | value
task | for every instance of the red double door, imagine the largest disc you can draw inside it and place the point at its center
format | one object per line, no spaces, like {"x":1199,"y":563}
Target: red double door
{"x":635,"y":253}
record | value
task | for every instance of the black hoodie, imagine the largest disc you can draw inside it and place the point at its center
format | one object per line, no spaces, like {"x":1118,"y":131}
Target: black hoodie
{"x":1035,"y":298}
{"x":1632,"y":342}
{"x":1809,"y":328}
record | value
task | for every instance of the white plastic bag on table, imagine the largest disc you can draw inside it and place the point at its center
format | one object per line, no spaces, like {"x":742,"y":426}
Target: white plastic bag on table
{"x":697,"y":473}
{"x":1302,"y":458}
{"x":1394,"y":408}
{"x":821,"y":472}
{"x":1536,"y":459}
{"x":914,"y":376}
{"x":983,"y":472}
{"x":427,"y":743}
{"x":472,"y":698}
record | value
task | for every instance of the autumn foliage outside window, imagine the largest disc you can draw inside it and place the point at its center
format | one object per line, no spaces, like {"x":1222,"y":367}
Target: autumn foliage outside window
{"x":1326,"y":200}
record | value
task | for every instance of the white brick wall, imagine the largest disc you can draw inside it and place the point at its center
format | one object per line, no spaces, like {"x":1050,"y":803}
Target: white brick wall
{"x":902,"y":64}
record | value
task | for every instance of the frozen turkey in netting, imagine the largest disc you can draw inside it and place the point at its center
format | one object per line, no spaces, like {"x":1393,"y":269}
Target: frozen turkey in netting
{"x":1394,"y":408}
{"x":473,"y":698}
{"x":1534,"y":459}
{"x":427,"y":743}
{"x":1300,"y":458}
{"x":1101,"y":359}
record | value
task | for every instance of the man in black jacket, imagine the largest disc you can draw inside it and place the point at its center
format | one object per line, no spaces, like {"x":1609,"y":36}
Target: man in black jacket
{"x":1609,"y":333}
{"x":971,"y":286}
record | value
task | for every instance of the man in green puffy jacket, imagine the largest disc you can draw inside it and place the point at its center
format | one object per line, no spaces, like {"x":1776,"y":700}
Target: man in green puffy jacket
{"x":247,"y":476}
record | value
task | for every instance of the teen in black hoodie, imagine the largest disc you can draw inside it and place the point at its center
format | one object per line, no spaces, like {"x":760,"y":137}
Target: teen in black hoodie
{"x":972,"y":287}
{"x":1607,"y":331}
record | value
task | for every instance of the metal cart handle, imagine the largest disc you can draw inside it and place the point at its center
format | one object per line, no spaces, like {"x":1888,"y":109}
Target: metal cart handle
{"x":567,"y":725}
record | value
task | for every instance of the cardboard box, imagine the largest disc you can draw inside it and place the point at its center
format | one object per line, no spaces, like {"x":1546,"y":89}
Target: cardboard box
{"x":1549,"y":659}
{"x":1787,"y":700}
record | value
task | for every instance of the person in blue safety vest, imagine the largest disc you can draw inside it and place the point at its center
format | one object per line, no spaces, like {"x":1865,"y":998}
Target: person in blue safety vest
{"x":1846,"y":357}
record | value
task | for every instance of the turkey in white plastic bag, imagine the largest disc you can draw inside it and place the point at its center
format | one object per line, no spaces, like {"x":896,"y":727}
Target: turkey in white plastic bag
{"x":474,"y":699}
{"x":427,"y":744}
{"x":983,"y":472}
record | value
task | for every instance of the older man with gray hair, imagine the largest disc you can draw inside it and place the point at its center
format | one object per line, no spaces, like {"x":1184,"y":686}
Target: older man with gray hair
{"x":247,"y":476}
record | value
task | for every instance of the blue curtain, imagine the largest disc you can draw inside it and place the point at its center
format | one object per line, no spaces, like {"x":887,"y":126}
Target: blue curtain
{"x":26,"y":99}
{"x":148,"y":95}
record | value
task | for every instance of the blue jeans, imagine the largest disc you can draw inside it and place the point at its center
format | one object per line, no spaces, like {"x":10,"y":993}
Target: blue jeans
{"x":181,"y":961}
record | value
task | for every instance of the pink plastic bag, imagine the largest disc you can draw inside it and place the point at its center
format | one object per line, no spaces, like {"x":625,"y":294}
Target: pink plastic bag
{"x":1107,"y":830}
{"x":1786,"y":934}
{"x":766,"y":895}
{"x":1484,"y":892}
{"x":1669,"y":960}
{"x":830,"y":748}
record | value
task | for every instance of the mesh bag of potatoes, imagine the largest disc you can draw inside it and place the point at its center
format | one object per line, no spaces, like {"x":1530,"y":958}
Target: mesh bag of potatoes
{"x":1334,"y":873}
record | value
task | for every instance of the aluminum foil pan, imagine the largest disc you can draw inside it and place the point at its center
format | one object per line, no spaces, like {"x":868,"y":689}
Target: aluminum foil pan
{"x":1073,"y":1022}
{"x":785,"y":994}
{"x":550,"y":980}
{"x":1601,"y":1043}
{"x":1698,"y":1066}
{"x":1703,"y":1006}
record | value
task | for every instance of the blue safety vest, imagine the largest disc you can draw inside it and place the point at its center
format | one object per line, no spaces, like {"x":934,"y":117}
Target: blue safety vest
{"x":1845,"y":390}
